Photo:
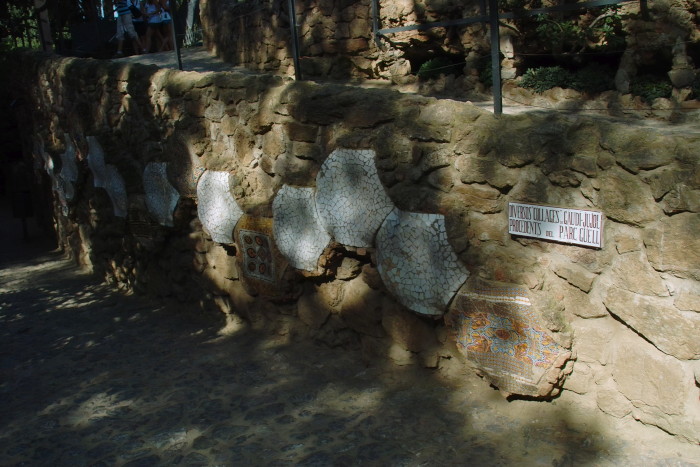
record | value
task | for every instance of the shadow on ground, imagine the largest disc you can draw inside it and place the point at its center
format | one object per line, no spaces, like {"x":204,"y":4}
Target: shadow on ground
{"x":93,"y":377}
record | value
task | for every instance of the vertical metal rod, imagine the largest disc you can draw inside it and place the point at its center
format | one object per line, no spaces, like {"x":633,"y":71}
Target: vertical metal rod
{"x":295,"y":40}
{"x":644,"y":9}
{"x":176,"y":47}
{"x":495,"y":58}
{"x":375,"y":23}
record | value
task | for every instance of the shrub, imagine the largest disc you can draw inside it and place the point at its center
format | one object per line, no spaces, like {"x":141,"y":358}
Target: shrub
{"x":696,"y":88}
{"x":593,"y":79}
{"x":435,"y":67}
{"x":543,"y":78}
{"x":651,"y":87}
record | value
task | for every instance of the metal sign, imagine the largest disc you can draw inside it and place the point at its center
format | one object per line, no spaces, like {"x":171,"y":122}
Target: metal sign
{"x":573,"y":226}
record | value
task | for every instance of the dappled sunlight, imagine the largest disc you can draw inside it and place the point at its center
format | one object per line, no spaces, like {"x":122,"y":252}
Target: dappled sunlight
{"x":133,"y":380}
{"x":99,"y":406}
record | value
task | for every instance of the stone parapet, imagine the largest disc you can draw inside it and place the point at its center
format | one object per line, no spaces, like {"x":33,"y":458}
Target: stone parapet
{"x":361,"y":217}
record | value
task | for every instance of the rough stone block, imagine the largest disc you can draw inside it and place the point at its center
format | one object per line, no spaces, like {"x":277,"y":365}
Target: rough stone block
{"x":627,"y":199}
{"x":406,"y":329}
{"x":632,"y":272}
{"x":361,"y":308}
{"x":612,"y":402}
{"x":656,"y":384}
{"x":674,"y":246}
{"x":312,"y":311}
{"x":670,"y":330}
{"x":574,"y":274}
{"x":474,"y":169}
{"x":300,"y":132}
{"x":593,"y":340}
{"x":479,"y":197}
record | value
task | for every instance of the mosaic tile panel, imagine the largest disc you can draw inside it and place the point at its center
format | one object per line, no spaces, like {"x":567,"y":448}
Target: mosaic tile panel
{"x":257,"y":257}
{"x":42,"y":160}
{"x":417,"y":263}
{"x":185,"y":170}
{"x":495,"y":326}
{"x":69,"y":169}
{"x":96,"y":162}
{"x":260,"y":262}
{"x":351,"y":200}
{"x":216,"y":207}
{"x":60,"y":195}
{"x":301,"y":237}
{"x":161,"y":196}
{"x":116,"y":189}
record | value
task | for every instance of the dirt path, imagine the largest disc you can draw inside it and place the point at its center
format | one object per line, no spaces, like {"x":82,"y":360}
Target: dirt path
{"x":89,"y":376}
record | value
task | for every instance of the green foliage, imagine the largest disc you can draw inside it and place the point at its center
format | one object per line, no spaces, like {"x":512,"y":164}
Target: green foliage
{"x":610,"y":32}
{"x":559,"y":35}
{"x":543,"y":78}
{"x":435,"y":67}
{"x":572,"y":35}
{"x":590,"y":79}
{"x":18,"y":26}
{"x":486,"y":73}
{"x":593,"y":79}
{"x":696,"y":87}
{"x":650,"y":87}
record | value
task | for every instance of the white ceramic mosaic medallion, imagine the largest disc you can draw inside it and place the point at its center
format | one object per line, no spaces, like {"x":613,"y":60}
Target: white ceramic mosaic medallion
{"x":96,"y":162}
{"x":350,"y":198}
{"x":116,"y":189}
{"x":299,"y":235}
{"x":69,"y":169}
{"x":416,"y":262}
{"x":216,"y":207}
{"x":161,"y":196}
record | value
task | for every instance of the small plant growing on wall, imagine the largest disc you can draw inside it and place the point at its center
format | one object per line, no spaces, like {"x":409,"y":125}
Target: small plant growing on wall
{"x":650,"y":87}
{"x":589,"y":79}
{"x":437,"y":66}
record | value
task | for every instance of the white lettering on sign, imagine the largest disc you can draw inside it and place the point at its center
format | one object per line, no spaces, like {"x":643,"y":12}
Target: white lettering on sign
{"x":574,"y":226}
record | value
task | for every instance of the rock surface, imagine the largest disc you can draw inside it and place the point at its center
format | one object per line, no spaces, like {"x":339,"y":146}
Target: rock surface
{"x":435,"y":159}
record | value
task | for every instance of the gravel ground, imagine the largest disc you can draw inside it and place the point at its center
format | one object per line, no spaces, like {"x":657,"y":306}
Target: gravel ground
{"x":90,"y":376}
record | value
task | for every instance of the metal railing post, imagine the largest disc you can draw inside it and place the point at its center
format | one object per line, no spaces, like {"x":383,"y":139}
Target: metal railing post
{"x":176,"y":47}
{"x":375,"y":23}
{"x":495,"y":58}
{"x":295,"y":40}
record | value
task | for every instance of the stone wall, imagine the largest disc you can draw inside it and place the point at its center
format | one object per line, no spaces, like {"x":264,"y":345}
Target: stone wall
{"x":377,"y":220}
{"x":335,"y":38}
{"x":336,"y":41}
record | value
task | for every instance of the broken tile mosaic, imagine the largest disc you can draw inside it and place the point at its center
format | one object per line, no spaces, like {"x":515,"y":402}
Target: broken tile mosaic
{"x":96,"y":162}
{"x":216,"y":207}
{"x":351,"y":200}
{"x":494,"y":325}
{"x":416,"y":262}
{"x":69,"y":169}
{"x":116,"y":189}
{"x":300,"y":235}
{"x":161,"y":196}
